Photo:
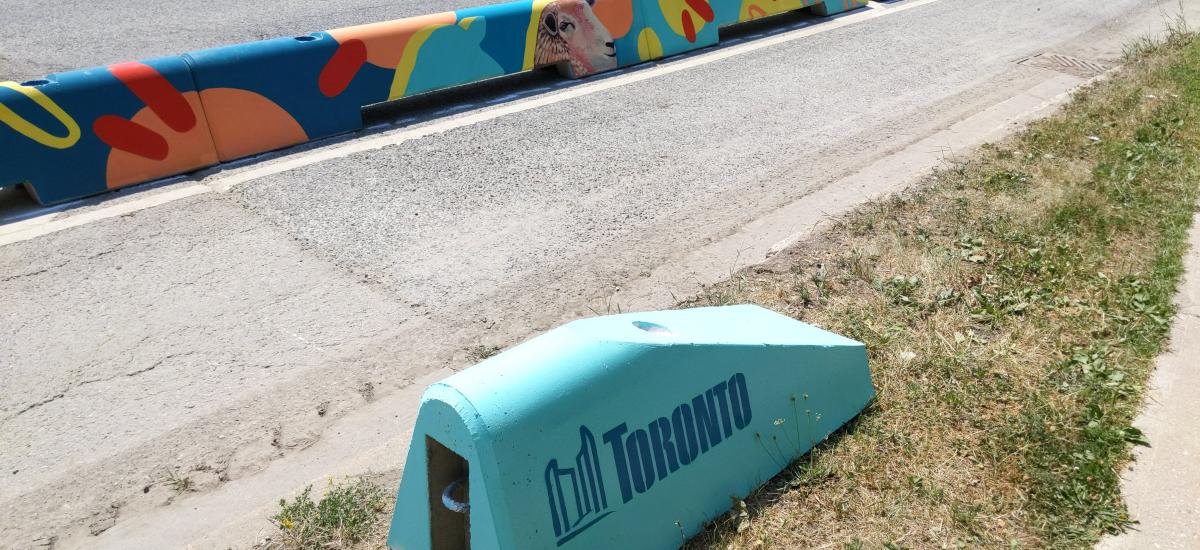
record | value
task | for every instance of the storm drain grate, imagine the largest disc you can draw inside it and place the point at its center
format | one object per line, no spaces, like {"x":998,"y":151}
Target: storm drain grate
{"x":1064,"y":64}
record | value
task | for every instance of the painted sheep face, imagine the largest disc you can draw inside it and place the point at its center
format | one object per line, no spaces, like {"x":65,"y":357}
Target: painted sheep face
{"x":571,"y":32}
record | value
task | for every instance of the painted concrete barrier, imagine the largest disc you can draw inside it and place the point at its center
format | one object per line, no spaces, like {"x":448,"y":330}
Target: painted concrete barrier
{"x":83,"y":132}
{"x":298,"y":89}
{"x":80,"y":133}
{"x":627,"y":431}
{"x":275,"y":93}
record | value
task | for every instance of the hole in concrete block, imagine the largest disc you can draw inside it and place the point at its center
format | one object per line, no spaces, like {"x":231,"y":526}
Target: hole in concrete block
{"x":448,"y":529}
{"x":652,"y":327}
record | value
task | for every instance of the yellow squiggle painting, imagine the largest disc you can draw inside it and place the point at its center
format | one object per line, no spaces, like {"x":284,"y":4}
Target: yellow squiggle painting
{"x":27,"y":129}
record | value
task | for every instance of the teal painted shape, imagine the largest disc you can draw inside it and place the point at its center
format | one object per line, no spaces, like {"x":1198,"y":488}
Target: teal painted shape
{"x":834,"y":7}
{"x":507,"y":28}
{"x":627,"y":45}
{"x":727,"y":11}
{"x":453,"y":55}
{"x":630,"y":431}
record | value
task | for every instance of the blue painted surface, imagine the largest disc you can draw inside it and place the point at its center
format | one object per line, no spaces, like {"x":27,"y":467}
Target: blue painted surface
{"x":85,"y":95}
{"x":453,"y":55}
{"x":631,"y":431}
{"x":286,"y":71}
{"x":834,"y":7}
{"x":507,"y":26}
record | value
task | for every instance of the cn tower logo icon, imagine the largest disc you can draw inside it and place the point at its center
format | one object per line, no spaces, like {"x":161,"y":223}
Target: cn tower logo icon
{"x":643,"y":455}
{"x":577,"y":499}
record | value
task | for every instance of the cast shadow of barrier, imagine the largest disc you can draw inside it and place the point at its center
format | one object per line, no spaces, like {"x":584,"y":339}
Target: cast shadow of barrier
{"x":625,"y":431}
{"x":77,"y":134}
{"x":769,"y":493}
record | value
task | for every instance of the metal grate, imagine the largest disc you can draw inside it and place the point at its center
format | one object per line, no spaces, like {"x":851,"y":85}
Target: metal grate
{"x":1064,"y":64}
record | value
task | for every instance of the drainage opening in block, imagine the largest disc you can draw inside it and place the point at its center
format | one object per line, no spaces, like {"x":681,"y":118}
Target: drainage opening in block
{"x":449,"y":505}
{"x":653,"y":328}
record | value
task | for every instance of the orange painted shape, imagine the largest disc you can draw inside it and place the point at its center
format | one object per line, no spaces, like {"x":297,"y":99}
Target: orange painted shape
{"x":615,"y":15}
{"x":186,"y":151}
{"x":386,"y":41}
{"x":157,"y":93}
{"x":131,"y":137}
{"x":702,"y":8}
{"x":340,"y":70}
{"x":689,"y":27}
{"x":245,"y":123}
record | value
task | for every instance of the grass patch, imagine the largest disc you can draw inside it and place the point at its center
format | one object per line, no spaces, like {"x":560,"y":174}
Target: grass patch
{"x":1012,"y":307}
{"x":178,"y":482}
{"x":348,"y":513}
{"x":479,"y":353}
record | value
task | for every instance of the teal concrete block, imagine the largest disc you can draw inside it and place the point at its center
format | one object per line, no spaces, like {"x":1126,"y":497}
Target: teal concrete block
{"x":626,"y":431}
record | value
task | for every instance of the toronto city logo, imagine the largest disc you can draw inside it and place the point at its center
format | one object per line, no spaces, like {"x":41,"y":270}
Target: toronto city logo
{"x":576,"y":490}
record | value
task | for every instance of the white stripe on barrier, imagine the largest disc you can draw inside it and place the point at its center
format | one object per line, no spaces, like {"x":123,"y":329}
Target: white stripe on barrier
{"x":44,"y":225}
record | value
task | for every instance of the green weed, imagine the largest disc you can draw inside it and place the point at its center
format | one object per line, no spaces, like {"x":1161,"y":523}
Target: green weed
{"x":345,"y":515}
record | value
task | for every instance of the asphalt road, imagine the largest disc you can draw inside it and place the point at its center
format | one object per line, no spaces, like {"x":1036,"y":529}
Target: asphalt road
{"x":213,"y":335}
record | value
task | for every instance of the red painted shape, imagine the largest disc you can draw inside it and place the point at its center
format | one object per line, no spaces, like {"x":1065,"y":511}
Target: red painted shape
{"x":131,"y":137}
{"x":157,"y":93}
{"x":689,"y":28}
{"x":755,"y":12}
{"x":703,"y":9}
{"x":341,"y":68}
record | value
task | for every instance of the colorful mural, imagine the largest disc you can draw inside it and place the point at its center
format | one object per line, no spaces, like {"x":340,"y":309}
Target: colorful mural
{"x":83,"y":132}
{"x":80,"y":133}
